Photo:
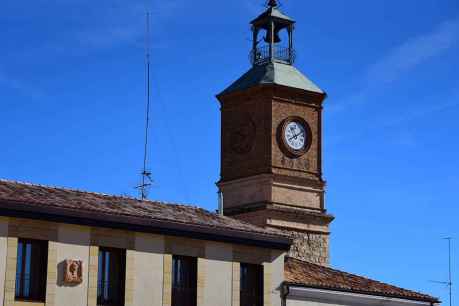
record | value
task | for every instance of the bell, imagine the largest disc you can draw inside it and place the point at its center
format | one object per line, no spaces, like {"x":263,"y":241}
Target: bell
{"x":276,"y":37}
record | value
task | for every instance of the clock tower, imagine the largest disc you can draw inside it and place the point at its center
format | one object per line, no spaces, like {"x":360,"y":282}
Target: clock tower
{"x":271,"y":149}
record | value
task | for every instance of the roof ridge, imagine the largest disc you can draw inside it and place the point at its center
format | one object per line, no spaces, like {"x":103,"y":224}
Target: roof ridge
{"x":359,"y":276}
{"x":98,"y":193}
{"x":261,"y":230}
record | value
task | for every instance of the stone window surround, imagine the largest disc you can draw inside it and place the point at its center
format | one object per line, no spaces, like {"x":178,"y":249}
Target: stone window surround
{"x":37,"y":265}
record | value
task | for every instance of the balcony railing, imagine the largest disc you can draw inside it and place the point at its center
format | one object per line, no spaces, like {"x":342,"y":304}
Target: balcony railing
{"x":261,"y":55}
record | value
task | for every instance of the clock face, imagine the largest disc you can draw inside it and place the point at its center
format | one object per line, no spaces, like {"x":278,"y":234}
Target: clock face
{"x":295,"y":135}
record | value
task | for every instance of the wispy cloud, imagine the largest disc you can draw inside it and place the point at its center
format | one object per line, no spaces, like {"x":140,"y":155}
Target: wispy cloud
{"x":402,"y":136}
{"x":253,"y":7}
{"x":107,"y":25}
{"x":422,"y":112}
{"x":401,"y":60}
{"x":12,"y":82}
{"x":413,"y":53}
{"x":125,"y":23}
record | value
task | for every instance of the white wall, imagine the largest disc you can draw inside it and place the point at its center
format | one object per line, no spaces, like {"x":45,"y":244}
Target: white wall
{"x":277,"y":270}
{"x":320,"y":297}
{"x":73,"y":243}
{"x":308,"y":303}
{"x":148,"y":266}
{"x":3,"y":249}
{"x":219,"y":275}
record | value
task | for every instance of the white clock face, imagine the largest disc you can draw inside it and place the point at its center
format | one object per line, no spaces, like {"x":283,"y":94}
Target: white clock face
{"x":295,"y":135}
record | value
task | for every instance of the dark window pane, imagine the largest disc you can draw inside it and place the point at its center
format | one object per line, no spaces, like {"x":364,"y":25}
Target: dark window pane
{"x":251,"y":286}
{"x":31,"y":270}
{"x":184,"y":281}
{"x":111,"y":277}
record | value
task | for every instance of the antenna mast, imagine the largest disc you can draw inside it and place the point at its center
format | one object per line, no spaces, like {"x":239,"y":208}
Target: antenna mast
{"x":146,"y":175}
{"x":449,"y":283}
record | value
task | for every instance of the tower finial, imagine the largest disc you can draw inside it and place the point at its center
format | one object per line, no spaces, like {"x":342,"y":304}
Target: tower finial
{"x":272,"y":3}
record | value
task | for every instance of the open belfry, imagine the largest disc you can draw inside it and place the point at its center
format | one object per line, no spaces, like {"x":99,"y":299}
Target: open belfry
{"x":271,"y":151}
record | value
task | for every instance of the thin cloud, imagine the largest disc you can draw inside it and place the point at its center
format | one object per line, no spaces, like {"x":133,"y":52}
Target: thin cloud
{"x":402,"y":60}
{"x":254,"y":7}
{"x":414,"y":52}
{"x":123,"y":24}
{"x":422,"y":112}
{"x":108,"y":25}
{"x":450,"y":101}
{"x":15,"y":84}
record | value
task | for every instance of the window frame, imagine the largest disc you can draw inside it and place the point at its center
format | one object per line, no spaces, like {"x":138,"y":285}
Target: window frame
{"x":101,"y":275}
{"x":184,"y":268}
{"x":38,"y":270}
{"x":251,"y":294}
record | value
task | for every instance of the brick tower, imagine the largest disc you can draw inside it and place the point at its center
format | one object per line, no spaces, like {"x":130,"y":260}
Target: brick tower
{"x":271,"y":164}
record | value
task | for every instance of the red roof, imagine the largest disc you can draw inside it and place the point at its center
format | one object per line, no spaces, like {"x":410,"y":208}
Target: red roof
{"x":89,"y":208}
{"x":301,"y":273}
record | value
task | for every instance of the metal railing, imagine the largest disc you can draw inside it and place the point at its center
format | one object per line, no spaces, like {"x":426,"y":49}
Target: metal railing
{"x":260,"y":55}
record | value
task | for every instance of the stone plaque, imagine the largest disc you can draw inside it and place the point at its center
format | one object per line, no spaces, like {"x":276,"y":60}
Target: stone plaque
{"x":73,"y":271}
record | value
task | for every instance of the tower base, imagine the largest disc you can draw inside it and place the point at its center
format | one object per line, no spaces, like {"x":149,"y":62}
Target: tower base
{"x":308,"y":229}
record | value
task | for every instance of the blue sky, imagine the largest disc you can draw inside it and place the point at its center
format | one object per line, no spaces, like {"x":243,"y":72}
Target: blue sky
{"x":72,"y":97}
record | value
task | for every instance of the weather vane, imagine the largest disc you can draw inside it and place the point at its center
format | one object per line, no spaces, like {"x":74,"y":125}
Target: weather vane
{"x":273,"y":3}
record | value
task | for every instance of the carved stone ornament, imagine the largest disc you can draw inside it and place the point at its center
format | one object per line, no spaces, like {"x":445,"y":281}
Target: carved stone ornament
{"x":73,"y":271}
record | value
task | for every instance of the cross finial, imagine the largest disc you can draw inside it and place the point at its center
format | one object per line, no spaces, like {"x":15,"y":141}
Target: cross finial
{"x":272,"y":3}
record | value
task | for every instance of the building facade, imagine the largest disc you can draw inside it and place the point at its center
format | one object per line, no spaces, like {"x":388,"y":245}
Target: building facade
{"x":128,"y":252}
{"x":268,"y":247}
{"x":68,"y":247}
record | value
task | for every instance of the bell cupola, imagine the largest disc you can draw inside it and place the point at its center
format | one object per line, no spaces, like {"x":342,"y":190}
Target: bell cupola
{"x":270,"y":29}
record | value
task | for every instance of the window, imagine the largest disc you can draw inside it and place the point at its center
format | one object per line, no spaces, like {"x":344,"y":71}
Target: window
{"x":251,"y":285}
{"x":184,"y":281}
{"x":31,"y":270}
{"x":111,"y":277}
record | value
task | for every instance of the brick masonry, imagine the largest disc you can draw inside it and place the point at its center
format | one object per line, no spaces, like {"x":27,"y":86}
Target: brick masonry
{"x":257,"y":171}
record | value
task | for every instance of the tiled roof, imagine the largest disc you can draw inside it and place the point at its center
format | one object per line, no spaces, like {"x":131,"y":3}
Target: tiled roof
{"x":301,"y":273}
{"x":38,"y":200}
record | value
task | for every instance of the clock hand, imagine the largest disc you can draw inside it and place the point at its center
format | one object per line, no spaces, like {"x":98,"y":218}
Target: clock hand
{"x":295,"y":136}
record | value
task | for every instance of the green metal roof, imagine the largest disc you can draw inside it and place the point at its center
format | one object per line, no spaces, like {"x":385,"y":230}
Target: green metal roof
{"x":273,"y":73}
{"x":273,"y":12}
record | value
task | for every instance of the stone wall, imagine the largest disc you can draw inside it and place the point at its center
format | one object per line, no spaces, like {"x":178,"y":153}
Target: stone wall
{"x":310,"y":247}
{"x":310,"y":237}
